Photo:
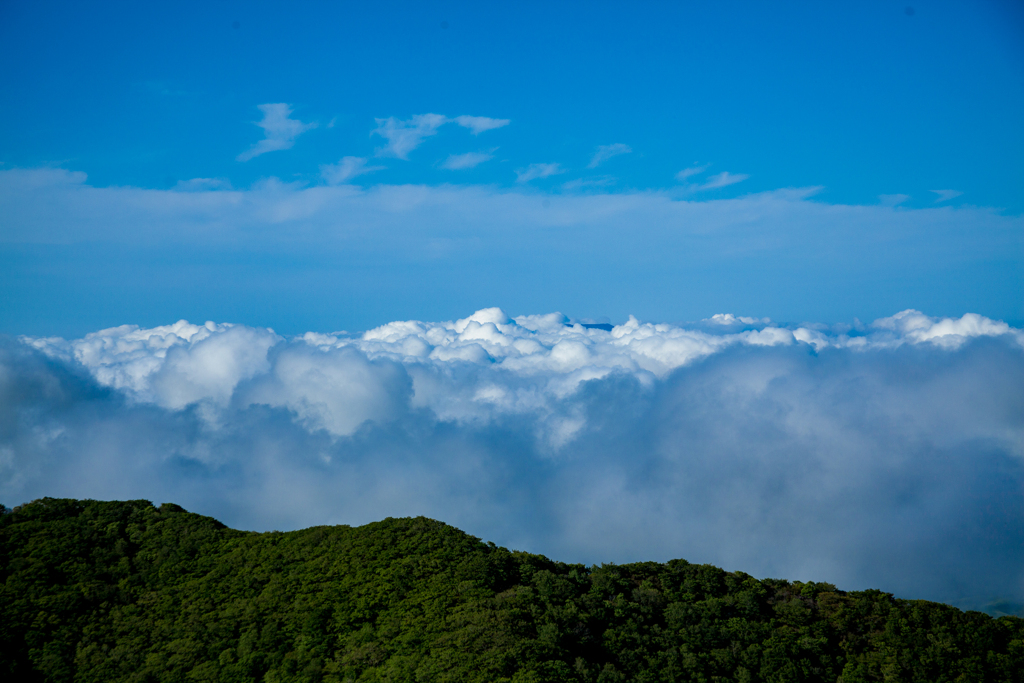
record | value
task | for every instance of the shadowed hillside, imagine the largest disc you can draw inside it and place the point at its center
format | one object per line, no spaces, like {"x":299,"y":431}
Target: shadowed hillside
{"x":125,"y":591}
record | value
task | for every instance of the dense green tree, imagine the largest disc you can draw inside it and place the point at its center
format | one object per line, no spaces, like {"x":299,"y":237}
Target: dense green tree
{"x":125,"y":591}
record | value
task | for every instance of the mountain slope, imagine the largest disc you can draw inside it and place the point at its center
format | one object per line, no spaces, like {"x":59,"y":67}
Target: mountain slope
{"x":125,"y":591}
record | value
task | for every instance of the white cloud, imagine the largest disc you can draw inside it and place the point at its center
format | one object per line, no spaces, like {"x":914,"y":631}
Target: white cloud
{"x":889,"y":455}
{"x":892,"y":199}
{"x":404,"y":136}
{"x":692,"y":171}
{"x":334,"y":389}
{"x":723,"y":179}
{"x":498,"y":238}
{"x":174,"y":366}
{"x":47,"y":206}
{"x":606,"y":152}
{"x":457,"y":162}
{"x":534,"y":171}
{"x":582,"y":183}
{"x":479,"y":124}
{"x":912,"y":326}
{"x":888,"y":458}
{"x":346,"y":169}
{"x":279,"y":130}
{"x":203,"y":184}
{"x":209,"y":369}
{"x":946,"y":195}
{"x":729,"y":319}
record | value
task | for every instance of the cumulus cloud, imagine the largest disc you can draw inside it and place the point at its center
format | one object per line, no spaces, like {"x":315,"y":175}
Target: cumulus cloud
{"x":606,"y":152}
{"x":346,"y":169}
{"x":535,"y":171}
{"x":479,"y":124}
{"x":946,"y":195}
{"x":458,"y":162}
{"x":279,"y":130}
{"x":177,"y":365}
{"x":891,"y":456}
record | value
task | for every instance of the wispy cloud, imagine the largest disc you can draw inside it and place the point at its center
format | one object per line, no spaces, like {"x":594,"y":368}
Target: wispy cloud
{"x":581,"y":183}
{"x":723,"y":179}
{"x":606,"y":152}
{"x":946,"y":195}
{"x":892,"y":199}
{"x":279,"y":130}
{"x":403,"y":136}
{"x":203,"y":184}
{"x":534,"y":171}
{"x":55,"y":206}
{"x":346,"y":169}
{"x":692,"y":171}
{"x":458,"y":162}
{"x":479,"y":124}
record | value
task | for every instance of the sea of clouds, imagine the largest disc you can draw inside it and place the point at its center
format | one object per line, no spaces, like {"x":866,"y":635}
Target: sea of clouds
{"x":887,"y":455}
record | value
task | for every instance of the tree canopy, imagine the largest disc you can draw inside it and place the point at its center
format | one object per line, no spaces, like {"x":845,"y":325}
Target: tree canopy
{"x":126,"y":591}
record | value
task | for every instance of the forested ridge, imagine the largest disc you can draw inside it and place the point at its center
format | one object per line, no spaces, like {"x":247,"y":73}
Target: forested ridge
{"x":125,"y":591}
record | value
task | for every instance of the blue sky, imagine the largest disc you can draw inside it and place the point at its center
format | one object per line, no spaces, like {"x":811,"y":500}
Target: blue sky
{"x":871,"y":103}
{"x":307,"y":263}
{"x":860,"y":98}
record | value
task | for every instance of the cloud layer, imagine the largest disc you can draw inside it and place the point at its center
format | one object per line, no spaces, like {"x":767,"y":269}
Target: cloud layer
{"x":891,"y":455}
{"x":387,"y":250}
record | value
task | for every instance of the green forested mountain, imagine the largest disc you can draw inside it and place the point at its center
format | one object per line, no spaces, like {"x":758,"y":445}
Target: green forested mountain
{"x":125,"y":591}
